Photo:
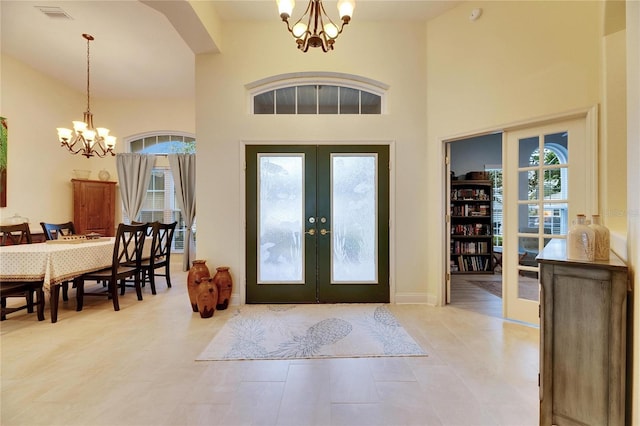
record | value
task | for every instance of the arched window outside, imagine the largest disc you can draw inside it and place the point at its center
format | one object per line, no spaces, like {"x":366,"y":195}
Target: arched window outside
{"x":161,"y":204}
{"x":163,"y":144}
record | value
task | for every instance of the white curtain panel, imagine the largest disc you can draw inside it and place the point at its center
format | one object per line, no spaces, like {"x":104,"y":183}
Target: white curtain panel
{"x":134,"y":174}
{"x":183,"y":169}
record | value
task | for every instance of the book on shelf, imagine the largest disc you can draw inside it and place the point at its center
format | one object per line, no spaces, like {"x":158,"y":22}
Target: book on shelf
{"x":473,"y":263}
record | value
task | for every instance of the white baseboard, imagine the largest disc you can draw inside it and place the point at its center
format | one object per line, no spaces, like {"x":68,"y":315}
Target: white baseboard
{"x":416,"y":298}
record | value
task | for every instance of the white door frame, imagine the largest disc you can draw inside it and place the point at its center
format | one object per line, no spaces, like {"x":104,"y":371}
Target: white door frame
{"x":590,"y":179}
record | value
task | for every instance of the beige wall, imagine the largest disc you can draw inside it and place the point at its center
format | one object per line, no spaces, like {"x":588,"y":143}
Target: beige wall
{"x":519,"y":61}
{"x":254,"y":51}
{"x":39,"y":170}
{"x":613,"y":183}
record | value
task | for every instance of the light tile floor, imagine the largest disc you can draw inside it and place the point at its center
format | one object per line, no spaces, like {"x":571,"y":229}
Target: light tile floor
{"x":136,"y":367}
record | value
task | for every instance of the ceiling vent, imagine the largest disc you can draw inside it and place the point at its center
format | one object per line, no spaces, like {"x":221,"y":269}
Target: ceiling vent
{"x":54,"y":12}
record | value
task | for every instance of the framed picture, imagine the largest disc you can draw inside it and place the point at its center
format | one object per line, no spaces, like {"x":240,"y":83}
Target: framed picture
{"x":3,"y":162}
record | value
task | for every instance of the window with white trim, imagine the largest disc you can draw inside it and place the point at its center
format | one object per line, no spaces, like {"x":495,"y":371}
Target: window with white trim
{"x":160,"y":204}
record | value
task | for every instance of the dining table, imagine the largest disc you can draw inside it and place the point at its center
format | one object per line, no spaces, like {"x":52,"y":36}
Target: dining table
{"x":55,"y":262}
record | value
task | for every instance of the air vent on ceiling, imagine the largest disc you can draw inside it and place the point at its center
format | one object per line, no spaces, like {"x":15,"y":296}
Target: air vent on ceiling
{"x":54,"y":12}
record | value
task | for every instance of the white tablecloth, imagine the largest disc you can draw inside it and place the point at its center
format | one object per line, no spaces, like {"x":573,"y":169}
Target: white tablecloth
{"x":54,"y":261}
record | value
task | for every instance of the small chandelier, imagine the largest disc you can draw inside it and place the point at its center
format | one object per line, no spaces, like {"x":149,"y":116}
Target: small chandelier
{"x":84,"y":138}
{"x":315,"y":28}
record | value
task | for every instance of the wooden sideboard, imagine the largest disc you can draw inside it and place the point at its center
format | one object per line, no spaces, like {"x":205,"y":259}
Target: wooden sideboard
{"x":583,"y":338}
{"x":94,"y":206}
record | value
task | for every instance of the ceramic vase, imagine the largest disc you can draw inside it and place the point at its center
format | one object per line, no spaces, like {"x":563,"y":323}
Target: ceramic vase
{"x":198,"y":271}
{"x":207,"y":297}
{"x":602,"y":238}
{"x":580,"y":241}
{"x":223,"y":281}
{"x":104,"y":175}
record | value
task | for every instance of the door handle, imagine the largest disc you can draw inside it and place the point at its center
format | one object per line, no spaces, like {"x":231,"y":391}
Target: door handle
{"x":312,"y":232}
{"x":324,"y":231}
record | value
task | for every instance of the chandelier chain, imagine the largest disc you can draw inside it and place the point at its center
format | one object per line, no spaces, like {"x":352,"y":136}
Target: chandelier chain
{"x":88,"y":74}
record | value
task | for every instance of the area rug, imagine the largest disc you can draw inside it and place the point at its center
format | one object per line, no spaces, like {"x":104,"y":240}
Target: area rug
{"x":526,"y":289}
{"x":310,"y":331}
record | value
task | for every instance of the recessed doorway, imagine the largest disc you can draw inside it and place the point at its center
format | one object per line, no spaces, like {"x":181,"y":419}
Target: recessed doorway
{"x":317,"y":223}
{"x":475,"y":223}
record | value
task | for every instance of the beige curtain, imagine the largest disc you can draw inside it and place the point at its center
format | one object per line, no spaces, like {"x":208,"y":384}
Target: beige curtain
{"x":183,"y":169}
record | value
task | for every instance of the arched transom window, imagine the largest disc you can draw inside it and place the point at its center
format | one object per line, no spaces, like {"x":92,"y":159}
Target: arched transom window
{"x":317,"y":93}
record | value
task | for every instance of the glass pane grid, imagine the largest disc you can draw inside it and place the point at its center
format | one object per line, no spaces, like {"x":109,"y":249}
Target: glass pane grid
{"x":317,"y":99}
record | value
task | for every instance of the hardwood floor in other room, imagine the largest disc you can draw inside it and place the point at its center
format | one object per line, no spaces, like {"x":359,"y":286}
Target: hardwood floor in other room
{"x":136,"y":367}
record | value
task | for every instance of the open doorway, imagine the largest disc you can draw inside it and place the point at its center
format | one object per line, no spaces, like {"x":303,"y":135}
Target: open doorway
{"x":475,"y":223}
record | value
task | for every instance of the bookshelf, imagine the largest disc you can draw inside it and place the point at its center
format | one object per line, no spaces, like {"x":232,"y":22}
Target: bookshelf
{"x":471,"y":229}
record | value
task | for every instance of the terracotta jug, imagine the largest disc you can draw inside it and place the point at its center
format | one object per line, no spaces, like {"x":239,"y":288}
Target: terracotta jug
{"x":207,"y":297}
{"x":223,"y":281}
{"x":199,"y":270}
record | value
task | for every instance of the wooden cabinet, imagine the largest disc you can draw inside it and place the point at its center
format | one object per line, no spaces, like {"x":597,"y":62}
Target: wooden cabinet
{"x":94,"y":207}
{"x":583,"y":337}
{"x":471,"y":227}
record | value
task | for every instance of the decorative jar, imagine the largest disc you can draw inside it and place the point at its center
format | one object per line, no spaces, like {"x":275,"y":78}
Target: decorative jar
{"x":207,"y":297}
{"x":580,"y":240}
{"x":197,"y":272}
{"x":82,"y":174}
{"x":104,"y":175}
{"x":223,"y":281}
{"x":602,"y":238}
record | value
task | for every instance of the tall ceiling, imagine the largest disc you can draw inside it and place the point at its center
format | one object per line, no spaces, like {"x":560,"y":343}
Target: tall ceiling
{"x":137,"y":52}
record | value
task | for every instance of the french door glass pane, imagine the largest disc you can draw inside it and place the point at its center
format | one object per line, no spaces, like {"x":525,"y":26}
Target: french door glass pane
{"x":556,"y":219}
{"x":528,"y":218}
{"x":528,"y":287}
{"x":280,"y":213}
{"x":528,"y":185}
{"x":555,"y":145}
{"x":554,"y":184}
{"x":354,"y":218}
{"x":527,"y":146}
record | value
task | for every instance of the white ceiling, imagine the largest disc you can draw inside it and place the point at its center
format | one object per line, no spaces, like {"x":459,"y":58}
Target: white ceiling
{"x":137,"y":53}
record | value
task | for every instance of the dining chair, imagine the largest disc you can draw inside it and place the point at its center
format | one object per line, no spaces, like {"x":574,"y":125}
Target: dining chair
{"x":160,"y":254}
{"x":15,"y":234}
{"x":51,"y":232}
{"x":12,"y":235}
{"x":126,"y":263}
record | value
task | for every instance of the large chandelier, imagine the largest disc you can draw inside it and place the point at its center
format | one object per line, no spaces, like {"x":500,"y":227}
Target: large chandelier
{"x":84,"y":138}
{"x":315,"y":28}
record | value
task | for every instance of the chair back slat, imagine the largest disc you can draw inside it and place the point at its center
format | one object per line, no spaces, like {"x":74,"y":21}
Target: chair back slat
{"x":162,"y":238}
{"x":52,"y":231}
{"x":15,"y":234}
{"x":129,"y":244}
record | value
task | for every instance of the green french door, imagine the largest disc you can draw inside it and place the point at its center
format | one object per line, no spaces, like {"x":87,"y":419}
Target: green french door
{"x":317,"y":224}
